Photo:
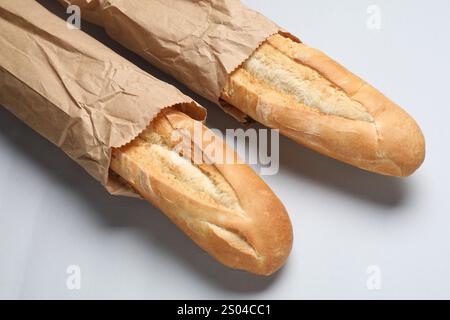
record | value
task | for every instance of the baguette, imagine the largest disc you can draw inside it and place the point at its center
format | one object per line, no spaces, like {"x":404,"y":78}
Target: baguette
{"x":225,"y":208}
{"x":283,"y":84}
{"x":318,"y":103}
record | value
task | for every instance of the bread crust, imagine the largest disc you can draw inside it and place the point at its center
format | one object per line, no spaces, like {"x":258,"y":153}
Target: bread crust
{"x":257,"y":238}
{"x":390,"y":144}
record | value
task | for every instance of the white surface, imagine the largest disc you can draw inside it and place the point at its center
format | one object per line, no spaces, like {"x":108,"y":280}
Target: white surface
{"x":53,"y":215}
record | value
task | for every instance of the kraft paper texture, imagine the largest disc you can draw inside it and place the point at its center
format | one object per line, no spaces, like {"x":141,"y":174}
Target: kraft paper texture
{"x":198,"y":42}
{"x":74,"y":91}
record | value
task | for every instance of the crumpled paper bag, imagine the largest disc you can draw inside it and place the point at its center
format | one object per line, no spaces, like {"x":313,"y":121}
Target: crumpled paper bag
{"x":198,"y":42}
{"x":76,"y":92}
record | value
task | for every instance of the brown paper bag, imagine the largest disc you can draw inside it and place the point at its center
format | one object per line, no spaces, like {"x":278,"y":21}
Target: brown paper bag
{"x":199,"y":42}
{"x":74,"y":91}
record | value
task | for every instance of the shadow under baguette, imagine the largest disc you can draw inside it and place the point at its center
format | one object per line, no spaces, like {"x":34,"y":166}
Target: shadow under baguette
{"x":362,"y":185}
{"x":155,"y":229}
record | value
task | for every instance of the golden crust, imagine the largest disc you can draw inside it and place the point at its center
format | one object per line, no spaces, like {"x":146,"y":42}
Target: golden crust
{"x":244,"y":226}
{"x":389,"y":143}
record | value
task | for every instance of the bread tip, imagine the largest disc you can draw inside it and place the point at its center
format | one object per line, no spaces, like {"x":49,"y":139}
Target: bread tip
{"x":404,"y":145}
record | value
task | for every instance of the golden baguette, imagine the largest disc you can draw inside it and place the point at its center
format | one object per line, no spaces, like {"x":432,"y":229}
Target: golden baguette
{"x":318,"y":103}
{"x":225,"y":208}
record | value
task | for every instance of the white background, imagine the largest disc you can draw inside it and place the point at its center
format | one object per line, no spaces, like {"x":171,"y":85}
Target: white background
{"x":52,"y":214}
